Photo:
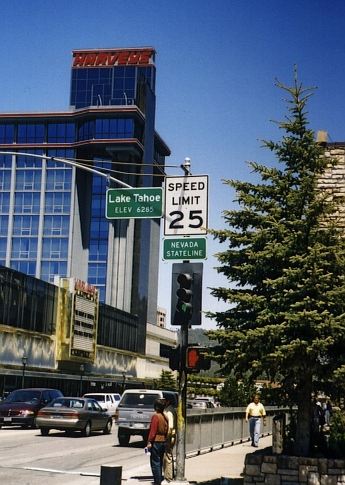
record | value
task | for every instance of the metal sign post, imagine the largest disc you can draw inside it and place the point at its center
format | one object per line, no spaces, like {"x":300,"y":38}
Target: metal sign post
{"x":181,"y":409}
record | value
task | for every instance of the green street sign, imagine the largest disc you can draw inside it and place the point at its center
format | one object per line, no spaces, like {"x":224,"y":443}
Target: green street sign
{"x":186,"y":248}
{"x":136,"y":203}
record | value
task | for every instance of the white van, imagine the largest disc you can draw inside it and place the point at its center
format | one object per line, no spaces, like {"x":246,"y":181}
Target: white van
{"x":107,"y":400}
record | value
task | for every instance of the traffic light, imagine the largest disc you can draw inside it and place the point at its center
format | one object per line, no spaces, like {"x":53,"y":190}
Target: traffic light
{"x":186,"y":293}
{"x":196,"y":359}
{"x":174,"y":358}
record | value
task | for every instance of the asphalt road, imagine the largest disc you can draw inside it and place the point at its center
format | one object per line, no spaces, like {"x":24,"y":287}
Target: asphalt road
{"x":27,"y":458}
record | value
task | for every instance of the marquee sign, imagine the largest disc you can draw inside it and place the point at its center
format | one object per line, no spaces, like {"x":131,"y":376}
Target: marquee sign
{"x":107,"y":58}
{"x":84,"y":319}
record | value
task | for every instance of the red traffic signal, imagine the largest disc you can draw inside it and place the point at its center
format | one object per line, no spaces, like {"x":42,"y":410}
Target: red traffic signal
{"x":196,"y":359}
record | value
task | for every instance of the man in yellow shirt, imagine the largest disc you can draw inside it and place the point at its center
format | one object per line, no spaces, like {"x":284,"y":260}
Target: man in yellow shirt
{"x":254,"y":412}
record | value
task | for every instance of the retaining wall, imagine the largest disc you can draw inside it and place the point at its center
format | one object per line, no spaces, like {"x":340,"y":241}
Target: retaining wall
{"x":291,"y":470}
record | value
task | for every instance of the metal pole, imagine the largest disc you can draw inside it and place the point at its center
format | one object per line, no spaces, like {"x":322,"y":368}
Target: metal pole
{"x":182,"y":404}
{"x":24,"y":361}
{"x":181,"y":409}
{"x":82,"y":368}
{"x":23,"y":375}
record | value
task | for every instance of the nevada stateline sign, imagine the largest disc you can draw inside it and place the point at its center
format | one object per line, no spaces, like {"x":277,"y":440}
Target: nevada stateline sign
{"x":184,"y":248}
{"x":136,"y":203}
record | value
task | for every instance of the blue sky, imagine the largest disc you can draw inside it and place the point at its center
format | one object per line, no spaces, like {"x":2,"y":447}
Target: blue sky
{"x":217,"y":62}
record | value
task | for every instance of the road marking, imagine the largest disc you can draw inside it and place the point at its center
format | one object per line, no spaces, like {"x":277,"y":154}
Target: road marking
{"x":52,"y":470}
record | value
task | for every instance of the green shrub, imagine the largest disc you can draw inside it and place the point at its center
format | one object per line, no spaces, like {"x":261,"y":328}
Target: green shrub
{"x":336,"y":443}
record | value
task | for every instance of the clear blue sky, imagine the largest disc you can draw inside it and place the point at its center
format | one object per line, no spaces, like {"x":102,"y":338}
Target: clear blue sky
{"x":216,"y":66}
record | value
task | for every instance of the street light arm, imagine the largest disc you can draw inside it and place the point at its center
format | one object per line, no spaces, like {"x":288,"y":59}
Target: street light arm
{"x":69,"y":162}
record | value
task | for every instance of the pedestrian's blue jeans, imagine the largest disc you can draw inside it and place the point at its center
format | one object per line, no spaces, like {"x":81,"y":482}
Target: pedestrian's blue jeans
{"x":156,"y":461}
{"x":254,"y":430}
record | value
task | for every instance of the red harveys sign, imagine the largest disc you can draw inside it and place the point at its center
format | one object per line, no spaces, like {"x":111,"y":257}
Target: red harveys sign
{"x":112,"y":58}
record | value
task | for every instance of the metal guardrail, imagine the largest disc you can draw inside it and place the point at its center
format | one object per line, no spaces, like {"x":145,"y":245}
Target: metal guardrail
{"x":217,"y":428}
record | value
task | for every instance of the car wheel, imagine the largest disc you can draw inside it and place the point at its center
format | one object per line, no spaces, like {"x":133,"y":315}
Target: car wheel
{"x":107,"y":429}
{"x":45,"y":431}
{"x":87,"y":430}
{"x":123,"y":439}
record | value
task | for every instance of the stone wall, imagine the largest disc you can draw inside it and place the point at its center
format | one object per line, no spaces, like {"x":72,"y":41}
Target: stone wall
{"x":290,"y":470}
{"x":333,"y":182}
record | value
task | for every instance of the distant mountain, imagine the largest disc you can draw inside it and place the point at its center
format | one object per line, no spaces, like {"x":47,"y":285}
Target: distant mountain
{"x":197,"y":336}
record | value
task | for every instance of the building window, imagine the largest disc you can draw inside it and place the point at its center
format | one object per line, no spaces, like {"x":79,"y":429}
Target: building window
{"x":49,"y":269}
{"x":6,"y":133}
{"x":27,"y":202}
{"x":114,"y":128}
{"x":26,"y":267}
{"x":25,"y":226}
{"x":58,"y":202}
{"x":30,"y":133}
{"x":97,"y":273}
{"x":28,"y":179}
{"x":60,"y":153}
{"x":5,"y":161}
{"x":59,"y":179}
{"x":24,"y":248}
{"x":3,"y":225}
{"x":56,"y":226}
{"x":3,"y":245}
{"x":4,"y":202}
{"x":55,"y":248}
{"x":61,"y":132}
{"x":28,"y":162}
{"x":5,"y":180}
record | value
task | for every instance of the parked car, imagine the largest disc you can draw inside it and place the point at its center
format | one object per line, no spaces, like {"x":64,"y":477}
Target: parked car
{"x":209,"y":400}
{"x":108,"y":401}
{"x":199,"y":405}
{"x":74,"y":414}
{"x":133,"y":414}
{"x":21,"y":406}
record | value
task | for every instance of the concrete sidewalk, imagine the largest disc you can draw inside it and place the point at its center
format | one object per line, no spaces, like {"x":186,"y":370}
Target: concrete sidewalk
{"x":222,"y":466}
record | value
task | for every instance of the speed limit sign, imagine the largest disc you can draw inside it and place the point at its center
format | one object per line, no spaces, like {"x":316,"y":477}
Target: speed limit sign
{"x":186,"y":205}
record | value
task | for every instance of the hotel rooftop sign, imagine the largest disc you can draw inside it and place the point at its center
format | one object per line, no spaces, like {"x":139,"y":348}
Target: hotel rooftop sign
{"x":117,"y":57}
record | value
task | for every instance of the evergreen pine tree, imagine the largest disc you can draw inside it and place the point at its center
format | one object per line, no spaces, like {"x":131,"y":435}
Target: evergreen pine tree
{"x":285,"y":265}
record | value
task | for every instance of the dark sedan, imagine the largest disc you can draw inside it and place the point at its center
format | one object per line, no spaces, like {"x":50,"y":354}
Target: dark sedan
{"x":74,"y":414}
{"x":21,"y":406}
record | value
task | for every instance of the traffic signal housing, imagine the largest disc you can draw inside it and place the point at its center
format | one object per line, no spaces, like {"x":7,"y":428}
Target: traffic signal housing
{"x":196,"y":359}
{"x":175,"y":358}
{"x":186,"y":293}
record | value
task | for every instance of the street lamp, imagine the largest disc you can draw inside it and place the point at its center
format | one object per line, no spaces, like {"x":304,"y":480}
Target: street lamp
{"x":82,"y":369}
{"x":24,"y":361}
{"x":123,"y":381}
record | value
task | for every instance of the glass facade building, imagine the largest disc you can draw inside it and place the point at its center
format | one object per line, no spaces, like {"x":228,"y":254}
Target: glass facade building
{"x":52,"y":214}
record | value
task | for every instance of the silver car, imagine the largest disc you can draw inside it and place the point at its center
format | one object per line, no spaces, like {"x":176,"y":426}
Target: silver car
{"x":74,"y":414}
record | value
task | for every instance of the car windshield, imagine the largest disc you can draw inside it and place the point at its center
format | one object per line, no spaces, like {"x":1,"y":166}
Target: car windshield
{"x":97,"y":397}
{"x":68,"y":403}
{"x":24,"y":395}
{"x":144,"y":400}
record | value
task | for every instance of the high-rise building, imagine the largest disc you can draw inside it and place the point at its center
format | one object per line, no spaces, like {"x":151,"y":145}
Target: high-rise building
{"x":52,"y":215}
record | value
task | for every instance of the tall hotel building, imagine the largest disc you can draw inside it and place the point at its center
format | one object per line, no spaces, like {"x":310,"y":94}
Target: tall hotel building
{"x":52,"y":215}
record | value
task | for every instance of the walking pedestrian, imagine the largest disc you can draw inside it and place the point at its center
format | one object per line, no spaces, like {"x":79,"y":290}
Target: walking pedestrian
{"x":157,"y":440}
{"x":168,"y":460}
{"x":254,"y":412}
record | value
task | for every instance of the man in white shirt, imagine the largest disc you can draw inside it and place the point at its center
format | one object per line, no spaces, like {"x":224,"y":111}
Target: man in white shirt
{"x":168,"y":461}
